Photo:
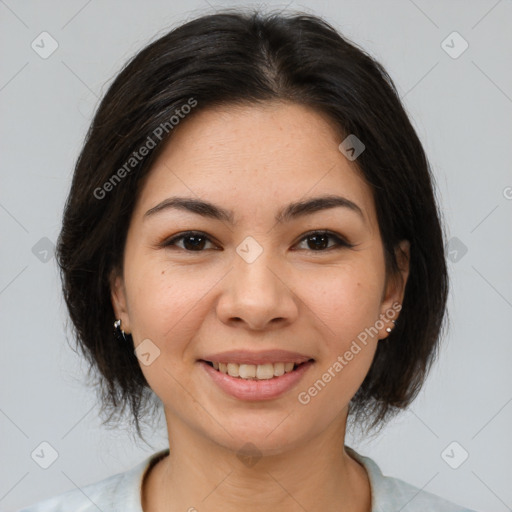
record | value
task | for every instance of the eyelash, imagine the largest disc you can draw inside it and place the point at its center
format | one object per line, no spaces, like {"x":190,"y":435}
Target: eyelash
{"x":340,"y":242}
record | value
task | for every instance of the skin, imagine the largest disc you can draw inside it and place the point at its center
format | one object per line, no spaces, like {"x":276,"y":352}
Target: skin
{"x":255,"y":160}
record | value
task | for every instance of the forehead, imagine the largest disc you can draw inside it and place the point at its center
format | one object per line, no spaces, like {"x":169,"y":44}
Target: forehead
{"x":254,"y":157}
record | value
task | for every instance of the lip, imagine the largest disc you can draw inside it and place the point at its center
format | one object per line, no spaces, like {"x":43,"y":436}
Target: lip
{"x":261,"y":357}
{"x":253,"y":390}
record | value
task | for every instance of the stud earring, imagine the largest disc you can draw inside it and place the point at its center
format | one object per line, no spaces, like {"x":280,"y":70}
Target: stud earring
{"x":118,"y":332}
{"x":389,"y":329}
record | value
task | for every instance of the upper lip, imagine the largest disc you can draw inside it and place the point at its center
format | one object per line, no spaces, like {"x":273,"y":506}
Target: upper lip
{"x":262,"y":357}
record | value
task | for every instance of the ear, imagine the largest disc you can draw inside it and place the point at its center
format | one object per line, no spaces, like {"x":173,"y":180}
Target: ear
{"x":395,"y":288}
{"x":118,"y":298}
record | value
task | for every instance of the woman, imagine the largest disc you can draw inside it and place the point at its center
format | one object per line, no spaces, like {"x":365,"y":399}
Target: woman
{"x":254,"y":214}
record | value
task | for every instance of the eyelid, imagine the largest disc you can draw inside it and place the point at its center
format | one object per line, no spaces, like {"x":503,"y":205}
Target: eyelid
{"x":339,"y":239}
{"x":171,"y":242}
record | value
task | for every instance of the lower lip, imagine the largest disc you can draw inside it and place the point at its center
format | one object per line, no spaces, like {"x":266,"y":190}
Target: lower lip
{"x":253,"y":390}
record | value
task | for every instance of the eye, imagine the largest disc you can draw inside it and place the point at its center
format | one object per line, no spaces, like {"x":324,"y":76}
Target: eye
{"x":193,"y":241}
{"x":319,"y":241}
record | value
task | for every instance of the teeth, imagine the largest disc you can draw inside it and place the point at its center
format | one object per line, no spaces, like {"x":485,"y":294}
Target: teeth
{"x":278,"y":369}
{"x":246,"y":371}
{"x":254,"y":371}
{"x":233,"y":369}
{"x":265,"y":371}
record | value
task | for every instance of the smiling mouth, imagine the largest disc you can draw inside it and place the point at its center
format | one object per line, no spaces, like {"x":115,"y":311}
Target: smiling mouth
{"x":266,"y":371}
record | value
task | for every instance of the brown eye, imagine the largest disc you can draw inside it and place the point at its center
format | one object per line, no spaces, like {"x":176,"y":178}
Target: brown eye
{"x":319,"y":241}
{"x":193,"y":241}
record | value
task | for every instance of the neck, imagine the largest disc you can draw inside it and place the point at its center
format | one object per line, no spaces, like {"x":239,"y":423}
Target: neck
{"x":203,"y":475}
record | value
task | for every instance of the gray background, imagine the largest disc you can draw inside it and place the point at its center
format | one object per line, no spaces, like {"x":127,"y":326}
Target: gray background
{"x":462,"y":109}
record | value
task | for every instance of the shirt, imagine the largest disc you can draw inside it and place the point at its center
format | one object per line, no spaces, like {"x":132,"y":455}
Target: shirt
{"x":122,"y":492}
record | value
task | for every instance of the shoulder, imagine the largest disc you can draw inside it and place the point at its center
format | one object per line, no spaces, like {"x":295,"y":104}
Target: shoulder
{"x":117,"y":493}
{"x":99,"y":495}
{"x":389,"y":493}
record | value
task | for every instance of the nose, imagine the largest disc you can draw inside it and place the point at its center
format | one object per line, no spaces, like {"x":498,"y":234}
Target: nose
{"x":258,"y":295}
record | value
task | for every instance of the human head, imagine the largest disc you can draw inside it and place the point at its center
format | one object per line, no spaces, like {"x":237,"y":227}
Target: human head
{"x":237,"y":59}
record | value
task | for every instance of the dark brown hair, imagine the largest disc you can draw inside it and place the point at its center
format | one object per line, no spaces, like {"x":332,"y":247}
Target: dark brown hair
{"x":232,"y":58}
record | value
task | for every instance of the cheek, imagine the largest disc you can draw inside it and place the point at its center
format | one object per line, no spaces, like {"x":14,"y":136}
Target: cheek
{"x":345,"y":306}
{"x":163,"y":302}
{"x":167,"y":308}
{"x":346,"y":300}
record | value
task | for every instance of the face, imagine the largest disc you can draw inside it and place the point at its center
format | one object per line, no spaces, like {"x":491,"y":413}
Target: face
{"x":257,"y":275}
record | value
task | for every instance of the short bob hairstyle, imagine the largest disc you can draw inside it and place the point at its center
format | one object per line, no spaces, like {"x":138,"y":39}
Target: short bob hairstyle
{"x":231,"y":58}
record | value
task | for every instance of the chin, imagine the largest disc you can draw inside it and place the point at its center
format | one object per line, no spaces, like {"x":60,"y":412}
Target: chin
{"x":268,"y":435}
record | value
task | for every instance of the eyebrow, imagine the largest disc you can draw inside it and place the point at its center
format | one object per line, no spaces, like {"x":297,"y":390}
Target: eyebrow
{"x":290,"y":212}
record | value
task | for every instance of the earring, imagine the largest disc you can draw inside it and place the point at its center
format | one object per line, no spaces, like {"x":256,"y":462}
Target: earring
{"x":389,"y":329}
{"x":118,"y":332}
